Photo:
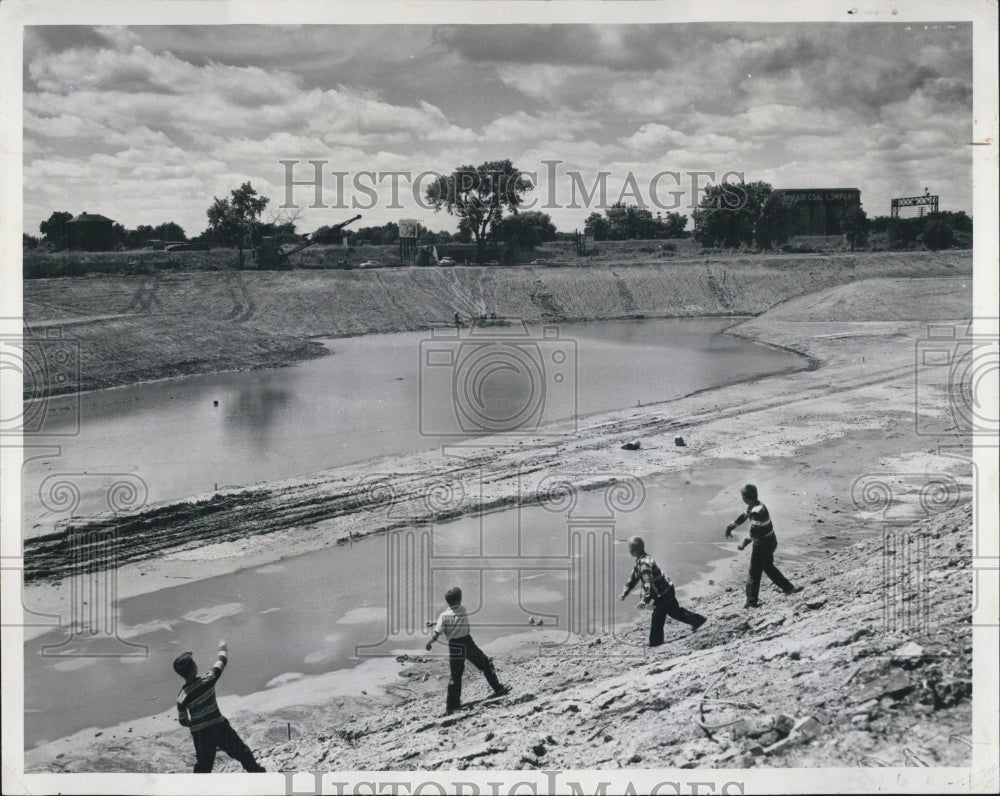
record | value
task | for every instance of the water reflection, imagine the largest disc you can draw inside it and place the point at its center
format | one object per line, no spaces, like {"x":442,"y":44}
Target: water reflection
{"x":255,"y":410}
{"x":361,"y":402}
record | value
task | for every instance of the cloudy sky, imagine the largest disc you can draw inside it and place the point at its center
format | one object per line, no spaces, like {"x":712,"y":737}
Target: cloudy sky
{"x":147,"y":124}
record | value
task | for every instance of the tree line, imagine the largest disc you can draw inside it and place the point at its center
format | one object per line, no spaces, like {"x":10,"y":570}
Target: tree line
{"x":487,"y":201}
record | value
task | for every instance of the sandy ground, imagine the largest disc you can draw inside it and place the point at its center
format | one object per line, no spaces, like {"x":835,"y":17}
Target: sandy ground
{"x":824,"y":678}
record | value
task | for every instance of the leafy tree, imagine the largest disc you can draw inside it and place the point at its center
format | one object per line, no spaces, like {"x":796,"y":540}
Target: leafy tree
{"x":526,"y":230}
{"x":773,"y":223}
{"x":854,"y":225}
{"x":29,"y":241}
{"x":169,"y":231}
{"x":597,"y":225}
{"x":118,"y":235}
{"x":743,"y":214}
{"x":235,"y":219}
{"x":55,"y":229}
{"x":479,"y":196}
{"x":621,"y":222}
{"x":938,"y":234}
{"x":675,"y":225}
{"x":904,"y":232}
{"x":880,"y":223}
{"x":627,"y":222}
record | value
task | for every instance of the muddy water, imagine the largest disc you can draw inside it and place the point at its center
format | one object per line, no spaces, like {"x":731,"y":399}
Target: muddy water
{"x":327,"y":611}
{"x":374,"y":396}
{"x":330,"y":610}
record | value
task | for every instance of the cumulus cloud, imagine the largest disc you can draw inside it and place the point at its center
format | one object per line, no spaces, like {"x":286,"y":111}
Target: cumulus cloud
{"x":148,"y":123}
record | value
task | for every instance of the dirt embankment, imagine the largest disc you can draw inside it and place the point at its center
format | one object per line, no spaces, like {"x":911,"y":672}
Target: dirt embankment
{"x":818,"y":679}
{"x":869,"y":666}
{"x":825,"y":678}
{"x":125,"y":329}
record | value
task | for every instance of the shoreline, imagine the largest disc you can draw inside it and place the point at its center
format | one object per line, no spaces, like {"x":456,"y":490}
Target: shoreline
{"x":843,"y":385}
{"x":619,"y":422}
{"x":129,"y":330}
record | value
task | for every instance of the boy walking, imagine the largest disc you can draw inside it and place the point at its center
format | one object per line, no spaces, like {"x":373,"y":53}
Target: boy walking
{"x":453,"y":624}
{"x":764,"y":544}
{"x":656,"y":588}
{"x":197,"y":709}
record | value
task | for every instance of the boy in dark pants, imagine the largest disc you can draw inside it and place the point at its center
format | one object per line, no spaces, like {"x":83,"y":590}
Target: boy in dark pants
{"x":453,"y":623}
{"x":764,"y":544}
{"x":658,"y":588}
{"x":197,"y":709}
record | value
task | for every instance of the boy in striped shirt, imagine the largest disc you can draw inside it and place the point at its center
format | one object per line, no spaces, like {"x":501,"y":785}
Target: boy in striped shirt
{"x":764,"y":544}
{"x":197,"y":709}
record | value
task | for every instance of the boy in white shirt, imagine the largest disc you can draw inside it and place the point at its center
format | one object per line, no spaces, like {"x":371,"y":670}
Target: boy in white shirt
{"x":453,"y":624}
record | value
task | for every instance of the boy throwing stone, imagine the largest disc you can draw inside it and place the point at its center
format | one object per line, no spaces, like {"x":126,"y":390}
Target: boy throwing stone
{"x":764,"y":544}
{"x":656,"y":588}
{"x":197,"y":709}
{"x":453,"y":624}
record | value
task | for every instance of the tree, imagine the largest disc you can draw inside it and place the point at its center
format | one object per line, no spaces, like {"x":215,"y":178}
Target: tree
{"x":675,"y":225}
{"x":479,"y":196}
{"x":855,"y":226}
{"x":772,"y":225}
{"x":904,"y":232}
{"x":737,"y":214}
{"x":235,"y":219}
{"x":29,"y":241}
{"x":938,"y":234}
{"x":169,"y":231}
{"x":55,"y":230}
{"x":526,"y":230}
{"x":621,"y":222}
{"x":596,"y":225}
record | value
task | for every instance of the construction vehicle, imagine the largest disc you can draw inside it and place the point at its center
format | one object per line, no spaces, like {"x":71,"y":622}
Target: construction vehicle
{"x":272,"y":255}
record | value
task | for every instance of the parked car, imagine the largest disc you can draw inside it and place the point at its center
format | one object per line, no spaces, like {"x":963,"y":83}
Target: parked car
{"x":446,"y":261}
{"x":368,"y":264}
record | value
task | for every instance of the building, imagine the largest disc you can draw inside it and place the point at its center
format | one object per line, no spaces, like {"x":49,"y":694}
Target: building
{"x":820,"y":210}
{"x":90,"y":232}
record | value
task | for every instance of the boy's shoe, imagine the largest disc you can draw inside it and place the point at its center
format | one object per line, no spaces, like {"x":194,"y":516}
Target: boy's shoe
{"x":752,"y":604}
{"x":698,"y":623}
{"x":794,"y":590}
{"x":502,"y":691}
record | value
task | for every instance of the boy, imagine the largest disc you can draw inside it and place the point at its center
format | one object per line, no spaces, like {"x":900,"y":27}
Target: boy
{"x":656,"y":587}
{"x":453,"y":623}
{"x":764,"y":545}
{"x":197,"y":709}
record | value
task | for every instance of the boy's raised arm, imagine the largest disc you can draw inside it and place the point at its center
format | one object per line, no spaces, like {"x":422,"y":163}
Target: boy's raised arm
{"x":222,"y":658}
